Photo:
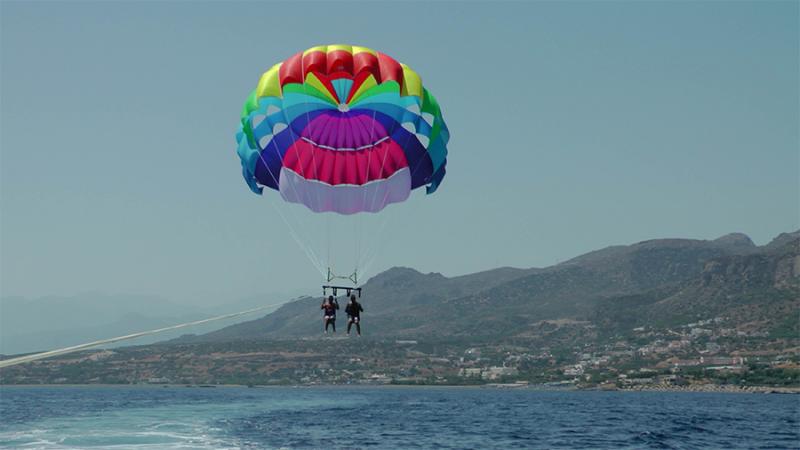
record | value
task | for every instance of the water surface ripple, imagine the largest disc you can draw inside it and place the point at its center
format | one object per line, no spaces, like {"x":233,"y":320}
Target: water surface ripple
{"x":389,"y":417}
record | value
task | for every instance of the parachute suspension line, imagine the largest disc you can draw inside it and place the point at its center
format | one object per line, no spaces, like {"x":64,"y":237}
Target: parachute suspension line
{"x":374,"y":248}
{"x":312,"y":256}
{"x":374,"y":255}
{"x":328,"y":238}
{"x":359,"y":219}
{"x":373,"y":244}
{"x":318,"y":204}
{"x":364,"y":195}
{"x":309,"y":252}
{"x":357,"y":239}
{"x":386,"y":194}
{"x":375,"y":195}
{"x":376,"y":251}
{"x":75,"y":348}
{"x":380,"y":174}
{"x":373,"y":251}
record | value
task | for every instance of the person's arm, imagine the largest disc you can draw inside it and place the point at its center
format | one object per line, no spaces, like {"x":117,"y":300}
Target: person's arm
{"x":360,"y":308}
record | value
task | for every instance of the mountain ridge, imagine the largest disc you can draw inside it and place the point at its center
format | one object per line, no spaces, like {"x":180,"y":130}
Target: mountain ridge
{"x":661,"y":279}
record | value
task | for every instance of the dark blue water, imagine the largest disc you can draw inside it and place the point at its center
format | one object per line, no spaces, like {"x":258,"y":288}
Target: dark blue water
{"x":386,"y":417}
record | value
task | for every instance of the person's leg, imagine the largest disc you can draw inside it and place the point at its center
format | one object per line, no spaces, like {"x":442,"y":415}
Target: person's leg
{"x":358,"y":325}
{"x":326,"y":324}
{"x":349,"y":324}
{"x":333,"y":324}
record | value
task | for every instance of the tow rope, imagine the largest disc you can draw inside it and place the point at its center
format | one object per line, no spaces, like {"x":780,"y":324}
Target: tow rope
{"x":75,"y":348}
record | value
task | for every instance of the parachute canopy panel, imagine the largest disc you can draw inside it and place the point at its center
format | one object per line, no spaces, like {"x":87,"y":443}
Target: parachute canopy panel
{"x":344,"y":129}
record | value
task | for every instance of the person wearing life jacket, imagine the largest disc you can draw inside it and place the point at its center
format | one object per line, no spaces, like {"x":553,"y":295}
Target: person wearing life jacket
{"x":329,"y":307}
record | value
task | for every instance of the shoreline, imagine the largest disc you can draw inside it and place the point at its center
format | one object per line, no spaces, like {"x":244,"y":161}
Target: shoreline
{"x":720,"y":388}
{"x":698,"y":388}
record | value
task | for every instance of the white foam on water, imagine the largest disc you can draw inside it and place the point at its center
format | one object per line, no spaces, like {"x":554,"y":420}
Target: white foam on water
{"x":74,"y":434}
{"x":196,"y":425}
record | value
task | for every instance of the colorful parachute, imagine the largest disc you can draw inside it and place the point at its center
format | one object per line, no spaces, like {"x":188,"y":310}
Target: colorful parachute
{"x":342,"y":128}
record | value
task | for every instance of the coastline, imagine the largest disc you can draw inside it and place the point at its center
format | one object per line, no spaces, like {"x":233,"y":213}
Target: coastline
{"x":721,"y":388}
{"x":696,"y":388}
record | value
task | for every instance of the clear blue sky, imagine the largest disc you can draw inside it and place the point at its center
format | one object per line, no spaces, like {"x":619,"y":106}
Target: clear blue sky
{"x":574,"y":125}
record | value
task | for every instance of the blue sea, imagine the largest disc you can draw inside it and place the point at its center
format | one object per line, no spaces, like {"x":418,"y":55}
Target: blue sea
{"x":389,"y":417}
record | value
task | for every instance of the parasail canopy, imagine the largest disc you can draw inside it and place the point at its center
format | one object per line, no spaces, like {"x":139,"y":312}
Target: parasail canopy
{"x":344,"y":129}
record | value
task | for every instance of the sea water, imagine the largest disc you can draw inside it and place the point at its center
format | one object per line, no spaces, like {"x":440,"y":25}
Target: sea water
{"x":101,"y":417}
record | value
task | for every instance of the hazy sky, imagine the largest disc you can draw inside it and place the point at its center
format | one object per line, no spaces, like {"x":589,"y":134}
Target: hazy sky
{"x":574,"y":126}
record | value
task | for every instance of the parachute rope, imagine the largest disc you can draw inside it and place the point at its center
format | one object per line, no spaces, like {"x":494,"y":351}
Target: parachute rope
{"x":316,"y":170}
{"x":373,"y":250}
{"x":315,"y":261}
{"x":76,"y":348}
{"x":364,"y":197}
{"x":328,"y":239}
{"x":312,"y":256}
{"x":375,"y":195}
{"x":309,"y":252}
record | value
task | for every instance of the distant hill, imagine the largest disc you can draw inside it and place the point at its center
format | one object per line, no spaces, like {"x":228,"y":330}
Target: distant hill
{"x":397,"y":293}
{"x":757,"y":291}
{"x":782,"y":240}
{"x":656,"y":282}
